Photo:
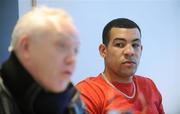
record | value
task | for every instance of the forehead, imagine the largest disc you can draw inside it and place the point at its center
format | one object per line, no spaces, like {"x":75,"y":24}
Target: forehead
{"x":124,"y":33}
{"x":63,"y":30}
{"x":66,"y":38}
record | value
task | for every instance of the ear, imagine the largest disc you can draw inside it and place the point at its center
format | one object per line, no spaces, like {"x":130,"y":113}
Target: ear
{"x":23,"y":46}
{"x":102,"y":50}
{"x":141,"y":47}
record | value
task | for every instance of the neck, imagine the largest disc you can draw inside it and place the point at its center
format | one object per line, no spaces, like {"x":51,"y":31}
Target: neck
{"x":114,"y":77}
{"x":132,"y":92}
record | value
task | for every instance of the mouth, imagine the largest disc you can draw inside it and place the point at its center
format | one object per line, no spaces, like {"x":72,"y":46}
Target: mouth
{"x":67,"y":74}
{"x":129,"y":63}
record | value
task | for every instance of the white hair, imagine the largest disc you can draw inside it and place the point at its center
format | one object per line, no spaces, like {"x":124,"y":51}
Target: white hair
{"x":34,"y":21}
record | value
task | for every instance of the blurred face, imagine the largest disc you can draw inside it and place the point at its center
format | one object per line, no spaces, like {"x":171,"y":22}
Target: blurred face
{"x":123,"y":52}
{"x":52,"y":59}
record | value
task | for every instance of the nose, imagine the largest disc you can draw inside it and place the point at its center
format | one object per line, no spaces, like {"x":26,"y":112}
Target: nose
{"x":71,"y":57}
{"x":129,"y":51}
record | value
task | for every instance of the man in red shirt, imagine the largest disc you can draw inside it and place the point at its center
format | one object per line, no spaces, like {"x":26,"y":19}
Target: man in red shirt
{"x":117,"y":90}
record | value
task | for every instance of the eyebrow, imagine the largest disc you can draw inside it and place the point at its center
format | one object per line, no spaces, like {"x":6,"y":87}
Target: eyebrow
{"x":136,"y":40}
{"x":122,"y":39}
{"x":119,"y":39}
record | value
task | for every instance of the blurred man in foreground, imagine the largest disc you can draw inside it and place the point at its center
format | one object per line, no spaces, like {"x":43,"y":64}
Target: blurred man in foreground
{"x":42,"y":59}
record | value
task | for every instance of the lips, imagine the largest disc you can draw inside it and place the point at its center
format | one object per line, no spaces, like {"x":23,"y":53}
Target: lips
{"x":68,"y":73}
{"x":129,"y":62}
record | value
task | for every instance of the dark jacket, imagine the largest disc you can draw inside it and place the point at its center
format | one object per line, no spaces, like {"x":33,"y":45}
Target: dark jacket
{"x":28,"y":97}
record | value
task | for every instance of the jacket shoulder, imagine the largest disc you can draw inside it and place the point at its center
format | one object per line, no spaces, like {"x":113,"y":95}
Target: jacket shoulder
{"x":7,"y":103}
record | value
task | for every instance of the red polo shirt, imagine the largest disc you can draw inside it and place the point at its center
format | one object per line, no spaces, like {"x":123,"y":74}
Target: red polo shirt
{"x":101,"y":98}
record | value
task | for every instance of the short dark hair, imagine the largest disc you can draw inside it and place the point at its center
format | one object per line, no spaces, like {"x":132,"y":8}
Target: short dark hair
{"x":118,"y":23}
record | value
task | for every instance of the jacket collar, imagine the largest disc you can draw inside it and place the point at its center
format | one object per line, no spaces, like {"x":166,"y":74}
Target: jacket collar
{"x":15,"y":76}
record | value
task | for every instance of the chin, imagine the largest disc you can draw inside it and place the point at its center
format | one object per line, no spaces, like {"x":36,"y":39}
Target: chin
{"x":57,"y":87}
{"x":57,"y":90}
{"x":62,"y":87}
{"x":131,"y":72}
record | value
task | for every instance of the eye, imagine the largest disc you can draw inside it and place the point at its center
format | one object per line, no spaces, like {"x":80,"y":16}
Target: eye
{"x":76,"y":50}
{"x":62,"y":47}
{"x":135,"y":45}
{"x":120,"y":44}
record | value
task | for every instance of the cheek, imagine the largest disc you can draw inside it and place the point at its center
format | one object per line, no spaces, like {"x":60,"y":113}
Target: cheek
{"x":115,"y":55}
{"x":111,"y":59}
{"x":51,"y":62}
{"x":138,"y":55}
